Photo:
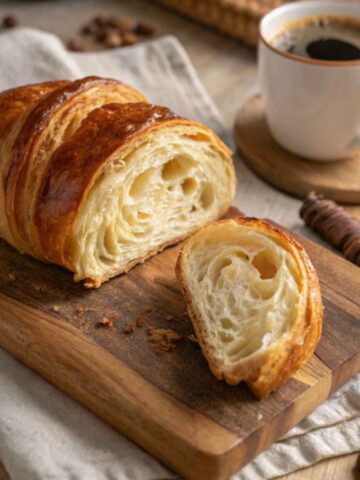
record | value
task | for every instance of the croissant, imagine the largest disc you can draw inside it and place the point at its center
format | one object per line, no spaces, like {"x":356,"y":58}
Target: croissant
{"x":95,"y":179}
{"x":254,"y":300}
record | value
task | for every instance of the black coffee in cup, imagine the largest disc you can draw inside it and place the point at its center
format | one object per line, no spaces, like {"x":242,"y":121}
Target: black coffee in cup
{"x":328,"y":38}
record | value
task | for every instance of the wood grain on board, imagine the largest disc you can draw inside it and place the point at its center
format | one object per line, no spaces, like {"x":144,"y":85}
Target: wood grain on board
{"x":286,"y":171}
{"x":169,"y":403}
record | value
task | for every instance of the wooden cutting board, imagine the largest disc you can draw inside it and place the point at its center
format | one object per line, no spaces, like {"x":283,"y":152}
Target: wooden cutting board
{"x":169,"y":403}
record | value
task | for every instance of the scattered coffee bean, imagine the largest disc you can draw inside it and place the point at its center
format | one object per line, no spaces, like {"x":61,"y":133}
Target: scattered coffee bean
{"x":116,"y":32}
{"x":103,"y":21}
{"x":101,"y":35}
{"x":88,"y":29}
{"x":9,"y":21}
{"x":74,"y":46}
{"x":125,"y":26}
{"x":110,"y":22}
{"x":99,"y":20}
{"x":113,"y":40}
{"x":129,"y":39}
{"x":143,"y":28}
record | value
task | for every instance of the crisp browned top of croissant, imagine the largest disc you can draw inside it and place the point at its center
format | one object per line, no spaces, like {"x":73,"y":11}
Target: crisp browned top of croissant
{"x":77,"y":161}
{"x":41,"y":108}
{"x":89,"y":171}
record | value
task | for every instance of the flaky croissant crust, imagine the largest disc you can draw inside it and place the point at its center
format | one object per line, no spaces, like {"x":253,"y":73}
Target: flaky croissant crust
{"x":95,"y":179}
{"x":264,"y":369}
{"x":44,"y":116}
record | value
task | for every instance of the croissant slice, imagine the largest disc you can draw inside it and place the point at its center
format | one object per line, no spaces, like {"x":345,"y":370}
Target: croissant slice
{"x":38,"y":119}
{"x":254,"y":300}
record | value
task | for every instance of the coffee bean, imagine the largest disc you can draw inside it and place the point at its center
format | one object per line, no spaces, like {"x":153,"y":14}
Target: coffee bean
{"x":101,"y":35}
{"x":98,"y":20}
{"x":74,"y":46}
{"x":9,"y":21}
{"x":89,"y":29}
{"x":129,"y":39}
{"x":113,"y":39}
{"x":105,"y":21}
{"x":143,"y":28}
{"x":111,"y":22}
{"x":113,"y":32}
{"x":125,"y":26}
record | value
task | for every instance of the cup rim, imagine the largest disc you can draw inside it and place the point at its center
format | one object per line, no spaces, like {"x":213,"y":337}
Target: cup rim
{"x":299,"y":58}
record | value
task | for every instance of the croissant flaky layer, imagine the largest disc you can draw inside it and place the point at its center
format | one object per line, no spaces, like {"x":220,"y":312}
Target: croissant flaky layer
{"x":254,"y":300}
{"x":95,"y":179}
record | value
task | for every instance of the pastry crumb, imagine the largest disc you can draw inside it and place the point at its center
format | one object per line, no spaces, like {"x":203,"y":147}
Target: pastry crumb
{"x":55,"y":308}
{"x":192,"y":338}
{"x":169,"y":317}
{"x":163,"y":339}
{"x":129,"y":327}
{"x":79,"y":310}
{"x":140,"y":322}
{"x":104,"y":322}
{"x":12,"y":277}
{"x":148,"y":309}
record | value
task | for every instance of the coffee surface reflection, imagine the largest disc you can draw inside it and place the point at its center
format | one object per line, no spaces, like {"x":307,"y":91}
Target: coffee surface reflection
{"x":321,"y":38}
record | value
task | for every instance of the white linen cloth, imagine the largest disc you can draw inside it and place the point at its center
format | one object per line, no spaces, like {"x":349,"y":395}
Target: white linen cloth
{"x":44,"y":434}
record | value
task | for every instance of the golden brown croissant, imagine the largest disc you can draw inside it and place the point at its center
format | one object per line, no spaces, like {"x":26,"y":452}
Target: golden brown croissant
{"x":254,"y":300}
{"x":97,"y":184}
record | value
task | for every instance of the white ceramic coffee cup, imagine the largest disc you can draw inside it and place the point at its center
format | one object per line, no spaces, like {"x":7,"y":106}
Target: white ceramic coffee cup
{"x":312,"y":106}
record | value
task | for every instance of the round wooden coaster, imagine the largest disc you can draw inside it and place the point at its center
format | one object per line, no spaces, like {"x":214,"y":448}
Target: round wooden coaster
{"x":339,"y":181}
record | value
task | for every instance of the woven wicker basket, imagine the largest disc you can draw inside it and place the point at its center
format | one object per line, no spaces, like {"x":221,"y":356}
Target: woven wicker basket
{"x":238,"y":18}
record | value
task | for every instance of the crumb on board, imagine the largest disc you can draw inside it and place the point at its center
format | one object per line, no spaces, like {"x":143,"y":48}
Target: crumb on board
{"x":55,"y":308}
{"x":104,"y":322}
{"x":163,"y":339}
{"x":148,"y":309}
{"x":140,"y":322}
{"x":192,"y":338}
{"x":169,"y":317}
{"x":129,"y":327}
{"x":12,"y":277}
{"x":79,"y":310}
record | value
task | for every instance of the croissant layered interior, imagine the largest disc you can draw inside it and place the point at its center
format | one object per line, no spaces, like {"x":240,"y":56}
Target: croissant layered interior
{"x":37,"y":134}
{"x":97,"y":180}
{"x":254,"y":300}
{"x":162,"y":188}
{"x":266,"y":298}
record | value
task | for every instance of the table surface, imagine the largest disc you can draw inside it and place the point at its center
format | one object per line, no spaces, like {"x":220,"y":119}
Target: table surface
{"x":228,"y":71}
